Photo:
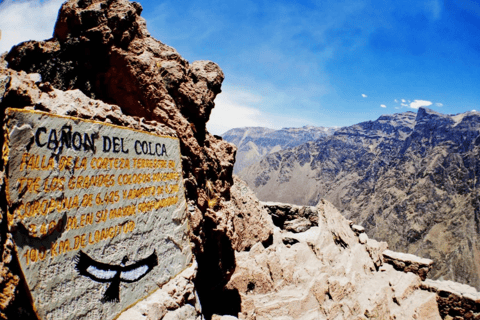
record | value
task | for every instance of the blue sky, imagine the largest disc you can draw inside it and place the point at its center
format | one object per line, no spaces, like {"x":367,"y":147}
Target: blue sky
{"x":323,"y":63}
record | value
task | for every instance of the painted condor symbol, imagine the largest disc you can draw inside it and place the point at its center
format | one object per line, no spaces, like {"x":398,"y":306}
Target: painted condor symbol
{"x":114,"y":274}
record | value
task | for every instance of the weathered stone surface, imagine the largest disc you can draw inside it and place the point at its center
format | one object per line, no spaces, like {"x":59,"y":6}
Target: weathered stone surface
{"x":9,"y":284}
{"x":4,"y":80}
{"x":375,"y":249}
{"x":325,"y":274}
{"x":455,"y":300}
{"x":102,"y":50}
{"x":251,"y":222}
{"x":110,"y":192}
{"x":408,"y":263}
{"x":217,"y":317}
{"x":291,"y":217}
{"x":357,"y":229}
{"x":363,"y":238}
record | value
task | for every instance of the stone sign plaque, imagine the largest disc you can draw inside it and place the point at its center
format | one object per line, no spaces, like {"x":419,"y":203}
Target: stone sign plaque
{"x":97,"y":213}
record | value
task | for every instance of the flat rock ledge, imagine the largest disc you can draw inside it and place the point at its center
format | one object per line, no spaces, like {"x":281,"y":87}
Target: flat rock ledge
{"x":408,"y":263}
{"x":291,"y":217}
{"x":357,"y":229}
{"x":455,"y":300}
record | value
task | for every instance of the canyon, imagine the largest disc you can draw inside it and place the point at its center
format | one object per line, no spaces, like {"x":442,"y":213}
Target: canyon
{"x":241,"y":258}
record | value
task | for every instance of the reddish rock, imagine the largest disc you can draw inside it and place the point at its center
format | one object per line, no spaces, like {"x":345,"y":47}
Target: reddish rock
{"x":103,"y":50}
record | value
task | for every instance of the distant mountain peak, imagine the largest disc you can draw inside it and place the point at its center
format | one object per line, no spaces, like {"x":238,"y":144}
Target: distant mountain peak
{"x":411,"y":178}
{"x":254,"y":143}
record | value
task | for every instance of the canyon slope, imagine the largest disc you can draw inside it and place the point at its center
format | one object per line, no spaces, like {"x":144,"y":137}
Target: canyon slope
{"x":254,"y":143}
{"x":409,"y":179}
{"x":251,"y":260}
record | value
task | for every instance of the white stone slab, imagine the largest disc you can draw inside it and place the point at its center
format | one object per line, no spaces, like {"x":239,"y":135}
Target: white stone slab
{"x":110,"y":192}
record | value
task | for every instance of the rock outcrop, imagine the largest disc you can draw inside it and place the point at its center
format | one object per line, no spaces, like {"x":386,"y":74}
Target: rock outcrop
{"x":103,"y":64}
{"x":291,"y":217}
{"x":455,"y":300}
{"x":409,"y":179}
{"x":408,"y":263}
{"x":326,"y":273}
{"x":251,"y":261}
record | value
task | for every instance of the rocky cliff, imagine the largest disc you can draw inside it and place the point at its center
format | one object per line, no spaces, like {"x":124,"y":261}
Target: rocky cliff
{"x":102,"y":63}
{"x":411,"y":179}
{"x":251,"y":260}
{"x":255,"y":143}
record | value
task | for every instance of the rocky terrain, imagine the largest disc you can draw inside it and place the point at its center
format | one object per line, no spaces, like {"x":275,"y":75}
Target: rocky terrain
{"x":251,"y":260}
{"x":255,"y":143}
{"x":409,"y":179}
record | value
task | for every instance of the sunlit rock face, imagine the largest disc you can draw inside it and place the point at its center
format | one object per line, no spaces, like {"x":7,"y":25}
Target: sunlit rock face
{"x":325,"y":271}
{"x":409,"y":179}
{"x":102,"y":63}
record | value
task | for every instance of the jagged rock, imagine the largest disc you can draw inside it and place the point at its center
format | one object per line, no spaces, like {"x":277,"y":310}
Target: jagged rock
{"x":408,"y":263}
{"x":289,"y":241}
{"x":291,"y":217}
{"x":72,"y":103}
{"x":10,"y":282}
{"x":103,"y":64}
{"x":409,"y":179}
{"x":375,"y":249}
{"x":363,"y":238}
{"x":251,"y":222}
{"x":455,"y":300}
{"x":104,"y":50}
{"x":325,"y":274}
{"x":357,"y":229}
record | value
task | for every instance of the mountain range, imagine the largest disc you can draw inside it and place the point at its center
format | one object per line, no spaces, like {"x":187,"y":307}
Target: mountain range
{"x":254,"y":143}
{"x":246,"y":259}
{"x":409,"y":178}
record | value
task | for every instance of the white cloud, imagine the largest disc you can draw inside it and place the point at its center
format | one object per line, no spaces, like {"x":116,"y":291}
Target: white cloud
{"x":403,"y":100}
{"x":233,"y":110}
{"x":396,"y":101}
{"x":438,"y":104}
{"x":420,"y":103}
{"x":364,"y":95}
{"x":26,"y":20}
{"x":383,"y":106}
{"x":404,"y":105}
{"x":240,"y":106}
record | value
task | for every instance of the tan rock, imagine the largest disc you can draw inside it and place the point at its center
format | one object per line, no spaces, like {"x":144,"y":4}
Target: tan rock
{"x":291,"y":217}
{"x":357,"y":229}
{"x":363,"y":238}
{"x":325,"y":274}
{"x":251,"y":223}
{"x":149,"y":86}
{"x":408,"y":263}
{"x":375,"y":249}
